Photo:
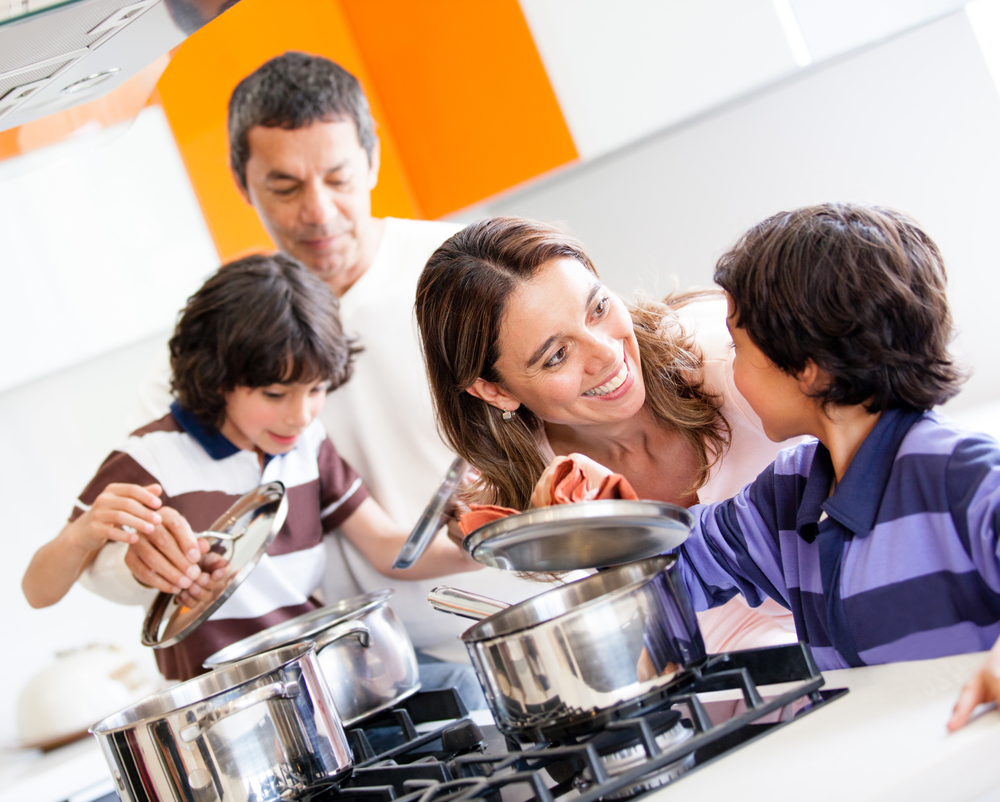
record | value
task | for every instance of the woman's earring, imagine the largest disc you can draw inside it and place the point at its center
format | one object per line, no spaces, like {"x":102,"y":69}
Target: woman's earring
{"x":508,"y":415}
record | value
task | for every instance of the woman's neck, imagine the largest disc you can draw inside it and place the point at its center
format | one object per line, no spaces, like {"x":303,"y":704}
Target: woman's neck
{"x":659,"y":462}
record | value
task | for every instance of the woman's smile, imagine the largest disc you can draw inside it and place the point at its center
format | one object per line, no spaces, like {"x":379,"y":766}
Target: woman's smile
{"x":568,"y":350}
{"x":616,"y":386}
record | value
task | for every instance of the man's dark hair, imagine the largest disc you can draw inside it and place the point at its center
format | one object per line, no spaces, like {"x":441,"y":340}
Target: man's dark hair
{"x":292,"y":91}
{"x":860,"y":291}
{"x":259,"y":321}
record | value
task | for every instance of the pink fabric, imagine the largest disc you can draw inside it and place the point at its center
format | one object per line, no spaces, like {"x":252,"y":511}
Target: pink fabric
{"x":575,"y":478}
{"x":567,"y":480}
{"x":481,"y":514}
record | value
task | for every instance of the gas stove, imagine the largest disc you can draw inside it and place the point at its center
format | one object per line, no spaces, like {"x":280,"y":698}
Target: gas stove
{"x":429,"y":748}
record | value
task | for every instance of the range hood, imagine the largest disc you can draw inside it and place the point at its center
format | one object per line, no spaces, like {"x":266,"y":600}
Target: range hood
{"x":57,"y":55}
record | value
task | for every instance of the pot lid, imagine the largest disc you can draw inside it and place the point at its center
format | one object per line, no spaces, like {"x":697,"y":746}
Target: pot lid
{"x":303,"y":628}
{"x":241,"y":536}
{"x":588,"y":534}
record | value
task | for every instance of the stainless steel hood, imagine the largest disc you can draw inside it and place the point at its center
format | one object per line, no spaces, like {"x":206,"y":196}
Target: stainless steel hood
{"x":55,"y":55}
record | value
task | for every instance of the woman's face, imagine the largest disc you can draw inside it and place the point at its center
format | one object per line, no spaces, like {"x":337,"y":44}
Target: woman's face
{"x":568,"y":350}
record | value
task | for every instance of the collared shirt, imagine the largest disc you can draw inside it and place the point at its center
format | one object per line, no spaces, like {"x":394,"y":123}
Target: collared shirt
{"x":203,"y":474}
{"x":905,"y":565}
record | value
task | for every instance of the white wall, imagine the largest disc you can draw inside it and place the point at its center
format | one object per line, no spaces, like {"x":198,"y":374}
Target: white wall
{"x":54,"y":433}
{"x":101,"y":241}
{"x":913,"y":123}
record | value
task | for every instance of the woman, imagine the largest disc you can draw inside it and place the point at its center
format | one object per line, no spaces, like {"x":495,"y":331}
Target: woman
{"x":529,"y":356}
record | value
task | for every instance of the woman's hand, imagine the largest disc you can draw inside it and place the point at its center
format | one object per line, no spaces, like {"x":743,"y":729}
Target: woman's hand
{"x":983,"y":687}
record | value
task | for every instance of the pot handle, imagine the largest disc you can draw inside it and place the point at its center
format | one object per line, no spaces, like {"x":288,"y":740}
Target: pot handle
{"x":463,"y":603}
{"x":207,"y":720}
{"x":349,"y":629}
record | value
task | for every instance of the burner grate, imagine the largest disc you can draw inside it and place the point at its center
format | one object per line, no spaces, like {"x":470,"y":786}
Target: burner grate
{"x":454,"y":763}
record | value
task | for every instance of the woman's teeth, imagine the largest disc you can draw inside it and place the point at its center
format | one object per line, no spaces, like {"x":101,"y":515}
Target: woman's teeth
{"x":612,"y":385}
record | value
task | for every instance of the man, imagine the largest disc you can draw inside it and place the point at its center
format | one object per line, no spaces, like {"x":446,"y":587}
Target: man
{"x":304,"y":155}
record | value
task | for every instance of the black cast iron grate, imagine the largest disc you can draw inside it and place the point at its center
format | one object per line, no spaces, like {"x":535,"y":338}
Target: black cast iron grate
{"x":453,"y":764}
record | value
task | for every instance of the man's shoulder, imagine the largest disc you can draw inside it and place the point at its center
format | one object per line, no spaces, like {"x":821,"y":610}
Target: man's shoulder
{"x":415,"y":239}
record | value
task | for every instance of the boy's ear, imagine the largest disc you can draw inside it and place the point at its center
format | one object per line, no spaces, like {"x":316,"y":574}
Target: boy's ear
{"x":493,"y":395}
{"x":812,"y":378}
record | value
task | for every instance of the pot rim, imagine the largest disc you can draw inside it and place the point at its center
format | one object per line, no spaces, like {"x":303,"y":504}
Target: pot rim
{"x":186,"y":696}
{"x":474,"y":634}
{"x":314,"y":622}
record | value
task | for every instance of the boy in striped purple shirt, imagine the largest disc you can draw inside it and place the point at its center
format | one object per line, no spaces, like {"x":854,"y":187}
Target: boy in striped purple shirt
{"x":881,"y":534}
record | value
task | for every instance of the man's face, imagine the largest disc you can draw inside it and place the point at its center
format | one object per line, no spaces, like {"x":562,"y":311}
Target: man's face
{"x":311,"y":188}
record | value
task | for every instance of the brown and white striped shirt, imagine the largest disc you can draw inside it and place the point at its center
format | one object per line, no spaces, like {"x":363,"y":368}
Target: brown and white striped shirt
{"x":202,"y":475}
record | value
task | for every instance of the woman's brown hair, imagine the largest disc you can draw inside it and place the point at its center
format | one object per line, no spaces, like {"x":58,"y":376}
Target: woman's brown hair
{"x":258,"y":321}
{"x":461,"y":301}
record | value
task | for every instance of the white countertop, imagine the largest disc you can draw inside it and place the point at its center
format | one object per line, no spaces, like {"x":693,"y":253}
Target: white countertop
{"x":885,"y":740}
{"x":53,"y":776}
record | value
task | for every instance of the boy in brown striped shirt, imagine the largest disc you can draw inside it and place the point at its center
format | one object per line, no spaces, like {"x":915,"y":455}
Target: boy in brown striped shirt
{"x":253,"y":356}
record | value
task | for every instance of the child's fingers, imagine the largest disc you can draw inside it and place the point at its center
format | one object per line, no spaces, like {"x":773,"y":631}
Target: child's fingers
{"x":143,"y":495}
{"x":121,"y":535}
{"x":185,"y":542}
{"x":129,"y":513}
{"x":971,"y":696}
{"x":150,"y":567}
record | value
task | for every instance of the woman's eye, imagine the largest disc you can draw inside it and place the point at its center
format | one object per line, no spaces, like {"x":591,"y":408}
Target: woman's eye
{"x":273,"y":394}
{"x":556,"y":358}
{"x":602,"y":307}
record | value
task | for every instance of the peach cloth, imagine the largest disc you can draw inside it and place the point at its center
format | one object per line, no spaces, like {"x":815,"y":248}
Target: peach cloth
{"x":481,"y":514}
{"x":567,"y":480}
{"x":575,"y":478}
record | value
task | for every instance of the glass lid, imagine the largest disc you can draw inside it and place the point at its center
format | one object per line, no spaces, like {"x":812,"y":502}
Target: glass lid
{"x":238,"y":539}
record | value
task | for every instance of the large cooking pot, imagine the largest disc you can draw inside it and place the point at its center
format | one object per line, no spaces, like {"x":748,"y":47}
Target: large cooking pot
{"x":594,"y":647}
{"x":262,"y":729}
{"x":365,"y":655}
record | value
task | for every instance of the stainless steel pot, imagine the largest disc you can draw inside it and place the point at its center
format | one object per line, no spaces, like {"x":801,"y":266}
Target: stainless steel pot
{"x":597,"y":645}
{"x":262,"y":729}
{"x":364,"y":653}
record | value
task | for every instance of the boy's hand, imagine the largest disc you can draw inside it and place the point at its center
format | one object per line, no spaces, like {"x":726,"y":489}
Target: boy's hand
{"x":120,"y":505}
{"x":983,"y":687}
{"x":167,"y":558}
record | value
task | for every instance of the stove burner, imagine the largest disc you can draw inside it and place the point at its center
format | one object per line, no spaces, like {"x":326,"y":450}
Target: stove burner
{"x":622,"y":749}
{"x":427,"y":750}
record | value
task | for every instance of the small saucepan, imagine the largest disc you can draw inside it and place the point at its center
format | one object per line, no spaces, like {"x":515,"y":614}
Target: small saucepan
{"x":262,"y":730}
{"x":600,"y":645}
{"x":366,"y":657}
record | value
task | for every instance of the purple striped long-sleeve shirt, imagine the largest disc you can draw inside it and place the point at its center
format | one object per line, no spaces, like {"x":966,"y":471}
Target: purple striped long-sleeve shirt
{"x":901,"y":562}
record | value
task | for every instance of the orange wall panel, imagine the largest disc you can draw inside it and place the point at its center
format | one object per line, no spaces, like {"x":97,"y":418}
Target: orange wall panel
{"x":195,"y":92}
{"x":466,"y":94}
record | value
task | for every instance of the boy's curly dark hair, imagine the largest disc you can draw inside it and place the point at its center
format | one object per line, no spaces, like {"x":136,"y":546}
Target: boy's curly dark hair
{"x":258,"y":321}
{"x":860,"y":291}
